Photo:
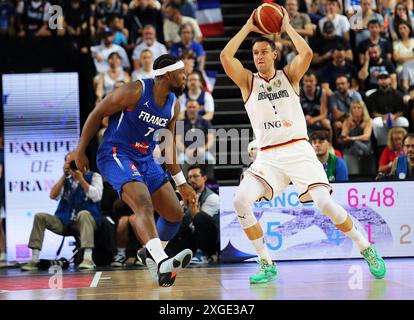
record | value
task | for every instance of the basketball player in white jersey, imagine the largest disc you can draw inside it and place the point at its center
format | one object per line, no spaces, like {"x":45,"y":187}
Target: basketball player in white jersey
{"x":272,"y":103}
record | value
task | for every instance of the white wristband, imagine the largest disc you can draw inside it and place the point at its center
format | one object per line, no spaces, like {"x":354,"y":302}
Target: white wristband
{"x":179,"y":179}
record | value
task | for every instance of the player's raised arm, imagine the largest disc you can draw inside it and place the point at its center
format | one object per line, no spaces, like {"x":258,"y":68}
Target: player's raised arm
{"x":232,"y":66}
{"x":121,"y":98}
{"x":300,"y":64}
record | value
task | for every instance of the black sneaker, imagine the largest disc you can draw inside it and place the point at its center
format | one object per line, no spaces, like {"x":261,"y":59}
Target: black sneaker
{"x":167,"y":268}
{"x":144,"y":258}
{"x":119,"y":261}
{"x":142,"y":255}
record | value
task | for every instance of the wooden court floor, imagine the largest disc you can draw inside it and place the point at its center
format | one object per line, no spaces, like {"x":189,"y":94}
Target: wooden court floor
{"x":338,"y":279}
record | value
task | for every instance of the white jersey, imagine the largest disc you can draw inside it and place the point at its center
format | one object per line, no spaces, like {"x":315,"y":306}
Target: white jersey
{"x":275,"y":111}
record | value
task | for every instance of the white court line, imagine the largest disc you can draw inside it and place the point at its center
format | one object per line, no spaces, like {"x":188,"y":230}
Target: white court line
{"x":95,"y":280}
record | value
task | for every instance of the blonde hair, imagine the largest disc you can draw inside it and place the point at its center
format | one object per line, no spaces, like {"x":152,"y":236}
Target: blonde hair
{"x":392,"y":131}
{"x":365,"y":113}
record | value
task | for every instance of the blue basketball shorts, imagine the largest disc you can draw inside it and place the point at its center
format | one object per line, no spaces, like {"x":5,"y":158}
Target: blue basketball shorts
{"x":120,"y":167}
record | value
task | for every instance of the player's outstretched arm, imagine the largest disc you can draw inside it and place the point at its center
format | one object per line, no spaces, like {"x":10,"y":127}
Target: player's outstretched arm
{"x":232,"y":66}
{"x":300,"y":64}
{"x":121,"y":98}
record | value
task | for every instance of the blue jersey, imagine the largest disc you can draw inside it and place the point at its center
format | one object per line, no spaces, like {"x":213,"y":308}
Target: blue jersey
{"x":132,"y":130}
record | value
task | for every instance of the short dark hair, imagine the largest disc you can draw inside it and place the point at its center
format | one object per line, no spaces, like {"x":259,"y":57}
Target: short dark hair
{"x":173,"y":5}
{"x":408,"y":135}
{"x":373,"y":21}
{"x":198,"y":166}
{"x":115,"y":54}
{"x":264,"y":39}
{"x":342,"y":75}
{"x":340,"y":47}
{"x":320,"y":135}
{"x":310,"y":73}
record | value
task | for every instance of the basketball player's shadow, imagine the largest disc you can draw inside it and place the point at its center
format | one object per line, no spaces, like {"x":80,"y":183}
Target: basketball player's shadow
{"x":377,"y":289}
{"x":264,"y":291}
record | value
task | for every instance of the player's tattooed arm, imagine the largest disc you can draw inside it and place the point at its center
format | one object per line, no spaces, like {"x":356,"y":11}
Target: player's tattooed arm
{"x":121,"y":98}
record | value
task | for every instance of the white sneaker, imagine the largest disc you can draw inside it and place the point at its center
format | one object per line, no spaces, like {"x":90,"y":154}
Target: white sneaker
{"x":87,"y":264}
{"x":119,"y":261}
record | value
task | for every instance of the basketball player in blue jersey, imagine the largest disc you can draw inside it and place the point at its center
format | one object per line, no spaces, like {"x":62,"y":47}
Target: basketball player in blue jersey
{"x":137,"y":111}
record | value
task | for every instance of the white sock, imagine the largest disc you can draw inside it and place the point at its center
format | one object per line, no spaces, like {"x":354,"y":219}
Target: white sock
{"x":35,"y":255}
{"x":87,"y":255}
{"x":261,"y":250}
{"x":164,"y":244}
{"x":121,"y":252}
{"x":358,"y":238}
{"x":154,"y":247}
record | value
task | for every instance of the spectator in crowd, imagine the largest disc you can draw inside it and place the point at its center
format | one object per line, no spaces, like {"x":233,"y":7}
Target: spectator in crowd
{"x":187,"y":42}
{"x":105,"y":120}
{"x":375,"y":64}
{"x":374,"y":29}
{"x":407,"y":76}
{"x":7,"y":17}
{"x":143,"y":13}
{"x":77,"y":17}
{"x":300,"y":21}
{"x":187,"y":9}
{"x":194,"y":140}
{"x":315,"y":10}
{"x":79,"y":210}
{"x":403,"y":166}
{"x":410,"y":110}
{"x":341,"y":23}
{"x":359,"y":22}
{"x":145,"y":71}
{"x":340,"y":102}
{"x":338,"y":66}
{"x":150,"y":42}
{"x":188,"y":57}
{"x":174,"y":19}
{"x":195,"y":91}
{"x":386,"y":107}
{"x":357,"y":131}
{"x":394,"y":149}
{"x":199,"y":228}
{"x":314,"y":103}
{"x":100,"y":53}
{"x":106,"y":9}
{"x":404,"y":48}
{"x":401,"y":13}
{"x":3,"y":257}
{"x":121,"y":33}
{"x":125,"y":220}
{"x":325,"y":45}
{"x":335,"y":168}
{"x":106,"y":80}
{"x":33,"y":17}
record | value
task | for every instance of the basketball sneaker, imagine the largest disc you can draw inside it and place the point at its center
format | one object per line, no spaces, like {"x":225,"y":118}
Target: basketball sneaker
{"x":119,"y":261}
{"x":375,"y":262}
{"x":266,"y":273}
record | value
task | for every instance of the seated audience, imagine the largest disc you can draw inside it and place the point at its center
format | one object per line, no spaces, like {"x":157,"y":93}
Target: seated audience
{"x":106,"y":9}
{"x":404,"y":48}
{"x":314,"y":103}
{"x":335,"y":168}
{"x":195,"y":91}
{"x":374,"y":65}
{"x":194,"y":140}
{"x":199,"y":229}
{"x":356,"y":131}
{"x":394,"y":149}
{"x":33,"y":17}
{"x":149,"y":42}
{"x":78,"y":210}
{"x":100,"y":53}
{"x":340,"y":102}
{"x":407,"y":76}
{"x":146,"y":62}
{"x":105,"y":81}
{"x":341,"y":23}
{"x":174,"y":19}
{"x":403,"y":166}
{"x":187,"y":42}
{"x":386,"y":107}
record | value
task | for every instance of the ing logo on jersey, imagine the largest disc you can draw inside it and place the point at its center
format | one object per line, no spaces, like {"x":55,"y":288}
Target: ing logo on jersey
{"x":141,"y":146}
{"x":134,"y":170}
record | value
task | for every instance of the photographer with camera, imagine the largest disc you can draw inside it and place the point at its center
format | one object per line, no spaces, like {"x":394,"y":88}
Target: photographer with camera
{"x":78,"y":210}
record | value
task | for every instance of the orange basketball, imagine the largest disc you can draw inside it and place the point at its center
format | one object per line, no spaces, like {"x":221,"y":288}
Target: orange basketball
{"x":268,"y":18}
